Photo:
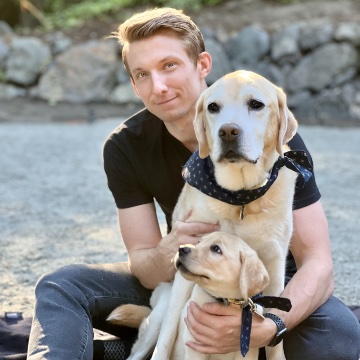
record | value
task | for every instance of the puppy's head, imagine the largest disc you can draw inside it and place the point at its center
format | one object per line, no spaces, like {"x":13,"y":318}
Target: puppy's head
{"x":223,"y":265}
{"x":240,"y":116}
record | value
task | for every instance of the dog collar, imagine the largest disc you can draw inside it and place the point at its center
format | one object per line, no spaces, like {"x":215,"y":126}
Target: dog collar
{"x":250,"y":307}
{"x":200,"y":174}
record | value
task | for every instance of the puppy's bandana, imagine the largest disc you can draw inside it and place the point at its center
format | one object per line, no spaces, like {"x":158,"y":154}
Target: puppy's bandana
{"x":200,"y":174}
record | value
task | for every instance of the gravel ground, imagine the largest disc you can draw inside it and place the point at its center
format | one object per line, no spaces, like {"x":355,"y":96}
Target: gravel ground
{"x":56,"y":209}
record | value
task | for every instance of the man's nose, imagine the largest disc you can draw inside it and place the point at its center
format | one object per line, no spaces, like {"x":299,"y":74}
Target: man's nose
{"x":159,"y":84}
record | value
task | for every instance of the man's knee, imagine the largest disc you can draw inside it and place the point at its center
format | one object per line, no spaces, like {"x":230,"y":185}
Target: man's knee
{"x":332,"y":332}
{"x":61,"y":282}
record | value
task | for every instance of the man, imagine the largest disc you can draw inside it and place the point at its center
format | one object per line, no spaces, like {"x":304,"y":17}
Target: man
{"x":164,"y":54}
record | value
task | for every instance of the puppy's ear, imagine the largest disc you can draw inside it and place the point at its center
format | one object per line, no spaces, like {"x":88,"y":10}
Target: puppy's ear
{"x":253,"y":277}
{"x":288,"y":124}
{"x":199,"y":127}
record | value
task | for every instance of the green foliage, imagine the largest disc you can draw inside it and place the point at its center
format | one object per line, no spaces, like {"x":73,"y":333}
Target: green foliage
{"x":68,"y":13}
{"x":72,"y":15}
{"x":2,"y":76}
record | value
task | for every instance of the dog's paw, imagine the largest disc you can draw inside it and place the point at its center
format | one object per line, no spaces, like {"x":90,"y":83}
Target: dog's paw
{"x":129,"y":315}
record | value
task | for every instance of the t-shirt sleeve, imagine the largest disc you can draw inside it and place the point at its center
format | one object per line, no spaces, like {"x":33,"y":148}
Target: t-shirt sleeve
{"x":310,"y":193}
{"x":122,"y":179}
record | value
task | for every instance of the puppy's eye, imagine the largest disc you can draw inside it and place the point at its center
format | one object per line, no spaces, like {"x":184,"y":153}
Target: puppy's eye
{"x":213,"y":108}
{"x":216,"y":249}
{"x":255,"y":104}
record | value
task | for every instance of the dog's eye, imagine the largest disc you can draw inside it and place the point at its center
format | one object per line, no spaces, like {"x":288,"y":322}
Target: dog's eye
{"x":255,"y":105}
{"x":216,"y":248}
{"x":213,"y":108}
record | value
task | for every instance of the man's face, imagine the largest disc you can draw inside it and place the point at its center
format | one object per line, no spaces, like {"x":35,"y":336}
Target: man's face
{"x":164,"y":77}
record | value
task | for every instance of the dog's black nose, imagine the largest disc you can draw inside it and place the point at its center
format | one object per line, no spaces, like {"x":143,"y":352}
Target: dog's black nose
{"x":184,"y":250}
{"x":229,"y":132}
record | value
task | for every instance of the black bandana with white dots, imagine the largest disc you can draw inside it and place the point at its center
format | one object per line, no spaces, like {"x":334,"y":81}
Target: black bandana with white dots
{"x":200,"y":174}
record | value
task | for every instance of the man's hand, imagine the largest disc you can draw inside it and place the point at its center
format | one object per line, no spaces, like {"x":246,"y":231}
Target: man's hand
{"x":189,"y":232}
{"x":216,"y":329}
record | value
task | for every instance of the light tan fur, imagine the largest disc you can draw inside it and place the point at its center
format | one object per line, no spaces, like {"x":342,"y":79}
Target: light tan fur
{"x":129,"y":315}
{"x":235,"y":272}
{"x":267,"y":225}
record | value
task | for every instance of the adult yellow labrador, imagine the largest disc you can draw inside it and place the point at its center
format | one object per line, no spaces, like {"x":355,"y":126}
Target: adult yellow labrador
{"x":237,"y":179}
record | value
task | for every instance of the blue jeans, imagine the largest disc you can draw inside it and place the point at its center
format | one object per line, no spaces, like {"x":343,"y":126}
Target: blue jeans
{"x":73,"y":300}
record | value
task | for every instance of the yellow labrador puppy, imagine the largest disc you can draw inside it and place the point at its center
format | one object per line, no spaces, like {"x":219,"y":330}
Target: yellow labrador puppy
{"x":222,"y":266}
{"x":238,"y":179}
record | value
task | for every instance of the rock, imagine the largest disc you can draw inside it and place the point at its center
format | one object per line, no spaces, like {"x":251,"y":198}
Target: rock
{"x":314,"y":35}
{"x":122,"y":75}
{"x":310,"y":60}
{"x":5,"y":29}
{"x":331,"y":107}
{"x":58,"y":42}
{"x":27,"y":60}
{"x":303,"y":106}
{"x":221,"y":64}
{"x":317,"y":70}
{"x":348,"y":32}
{"x":285,"y":46}
{"x":248,"y":46}
{"x":10,"y":91}
{"x":355,"y":107}
{"x":123,"y":94}
{"x":271,"y":72}
{"x":83,"y":73}
{"x":4,"y":52}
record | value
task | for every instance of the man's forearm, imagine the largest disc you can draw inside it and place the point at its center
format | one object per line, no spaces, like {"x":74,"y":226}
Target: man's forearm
{"x":310,"y":287}
{"x":154,"y":265}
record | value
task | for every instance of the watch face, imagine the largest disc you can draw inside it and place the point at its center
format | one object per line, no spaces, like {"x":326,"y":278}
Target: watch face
{"x":281,"y":332}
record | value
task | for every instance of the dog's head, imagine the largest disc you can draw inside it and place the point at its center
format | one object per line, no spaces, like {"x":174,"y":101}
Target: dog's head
{"x":241,"y":117}
{"x":223,"y":265}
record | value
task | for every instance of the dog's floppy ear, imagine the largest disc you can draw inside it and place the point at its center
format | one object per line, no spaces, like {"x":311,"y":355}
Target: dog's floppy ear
{"x":253,"y":277}
{"x":288,"y":124}
{"x":199,"y":127}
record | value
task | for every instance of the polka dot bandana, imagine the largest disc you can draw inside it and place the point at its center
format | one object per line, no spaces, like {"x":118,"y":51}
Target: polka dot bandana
{"x":200,"y":174}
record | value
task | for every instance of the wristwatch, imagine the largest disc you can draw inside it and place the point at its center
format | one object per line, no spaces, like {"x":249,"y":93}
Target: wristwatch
{"x":281,"y":329}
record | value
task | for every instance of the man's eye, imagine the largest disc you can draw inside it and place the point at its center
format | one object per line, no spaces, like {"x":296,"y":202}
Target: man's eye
{"x":141,"y":74}
{"x":216,"y":249}
{"x":255,"y":105}
{"x":170,"y":65}
{"x":213,"y":108}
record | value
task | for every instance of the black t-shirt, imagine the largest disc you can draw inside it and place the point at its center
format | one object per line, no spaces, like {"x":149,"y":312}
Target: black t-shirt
{"x":143,"y":162}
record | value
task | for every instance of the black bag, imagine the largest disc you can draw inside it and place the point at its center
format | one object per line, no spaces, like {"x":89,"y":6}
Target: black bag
{"x":14,"y":336}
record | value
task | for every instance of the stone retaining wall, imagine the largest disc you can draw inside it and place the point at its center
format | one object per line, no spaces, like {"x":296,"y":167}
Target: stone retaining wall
{"x":318,"y":65}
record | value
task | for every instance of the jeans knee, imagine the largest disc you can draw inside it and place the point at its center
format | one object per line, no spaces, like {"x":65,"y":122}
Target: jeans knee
{"x":332,"y":332}
{"x":60,"y":284}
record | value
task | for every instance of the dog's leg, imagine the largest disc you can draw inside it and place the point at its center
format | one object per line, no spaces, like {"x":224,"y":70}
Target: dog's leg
{"x":274,"y":262}
{"x":275,"y":353}
{"x":182,"y":351}
{"x":150,"y":327}
{"x":180,"y":294}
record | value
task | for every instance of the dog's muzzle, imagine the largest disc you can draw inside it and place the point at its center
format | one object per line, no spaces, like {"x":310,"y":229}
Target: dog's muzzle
{"x":183,"y":251}
{"x":230,"y":136}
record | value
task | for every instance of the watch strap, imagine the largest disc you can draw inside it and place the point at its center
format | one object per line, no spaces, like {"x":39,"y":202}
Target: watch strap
{"x":281,"y":329}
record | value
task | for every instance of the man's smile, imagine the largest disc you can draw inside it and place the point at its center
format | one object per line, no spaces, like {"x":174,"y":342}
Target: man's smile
{"x":163,"y":102}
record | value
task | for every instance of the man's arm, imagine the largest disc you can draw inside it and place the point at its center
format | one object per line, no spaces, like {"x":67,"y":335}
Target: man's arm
{"x":150,"y":254}
{"x":310,"y":287}
{"x":313,"y":283}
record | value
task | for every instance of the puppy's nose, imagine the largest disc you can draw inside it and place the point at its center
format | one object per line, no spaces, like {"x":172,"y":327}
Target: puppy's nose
{"x":184,"y":250}
{"x":229,"y":132}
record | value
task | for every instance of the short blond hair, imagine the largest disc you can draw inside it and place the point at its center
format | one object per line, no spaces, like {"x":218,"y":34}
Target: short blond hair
{"x":151,"y":22}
